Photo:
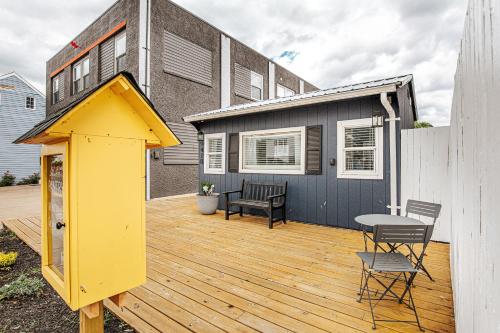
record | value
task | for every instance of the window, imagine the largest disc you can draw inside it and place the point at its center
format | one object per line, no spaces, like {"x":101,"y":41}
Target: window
{"x":214,"y":159}
{"x":360,"y":149}
{"x":81,"y":75}
{"x":277,"y":151}
{"x":30,"y":102}
{"x":120,"y":52}
{"x":256,"y":85}
{"x":55,"y":90}
{"x":282,"y":91}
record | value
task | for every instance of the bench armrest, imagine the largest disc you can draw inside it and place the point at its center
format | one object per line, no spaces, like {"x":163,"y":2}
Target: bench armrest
{"x":276,"y":196}
{"x":227,"y":193}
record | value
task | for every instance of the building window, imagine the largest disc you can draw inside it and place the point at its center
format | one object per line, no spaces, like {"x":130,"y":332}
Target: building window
{"x":256,"y":85}
{"x":30,"y":102}
{"x":277,"y":151}
{"x":282,"y":91}
{"x":55,"y":90}
{"x":120,"y":52}
{"x":81,"y":75}
{"x":214,"y":156}
{"x":360,"y":149}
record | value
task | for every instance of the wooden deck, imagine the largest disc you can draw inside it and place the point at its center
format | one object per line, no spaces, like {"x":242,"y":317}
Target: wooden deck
{"x":206,"y":274}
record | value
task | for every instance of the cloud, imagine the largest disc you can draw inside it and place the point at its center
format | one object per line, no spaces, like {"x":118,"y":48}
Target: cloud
{"x":327,"y":42}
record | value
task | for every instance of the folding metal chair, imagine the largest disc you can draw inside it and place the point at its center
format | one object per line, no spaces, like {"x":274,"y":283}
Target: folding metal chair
{"x":377,"y":265}
{"x":427,"y":209}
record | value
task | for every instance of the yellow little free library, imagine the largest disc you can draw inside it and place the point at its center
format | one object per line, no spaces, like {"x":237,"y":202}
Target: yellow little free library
{"x":93,"y":190}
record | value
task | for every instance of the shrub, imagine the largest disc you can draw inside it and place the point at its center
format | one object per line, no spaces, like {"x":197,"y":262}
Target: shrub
{"x":33,"y":179}
{"x":422,"y":124}
{"x":8,"y":179}
{"x":22,"y":286}
{"x":7,"y":259}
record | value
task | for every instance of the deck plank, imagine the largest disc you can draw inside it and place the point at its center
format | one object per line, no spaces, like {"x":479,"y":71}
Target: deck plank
{"x":206,"y":274}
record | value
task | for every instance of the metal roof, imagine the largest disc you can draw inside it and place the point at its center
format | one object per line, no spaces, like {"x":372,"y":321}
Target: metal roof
{"x":315,"y":97}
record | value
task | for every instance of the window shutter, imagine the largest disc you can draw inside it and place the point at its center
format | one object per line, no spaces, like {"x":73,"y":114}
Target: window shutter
{"x":186,"y":59}
{"x":313,"y":150}
{"x":106,"y":59}
{"x":233,"y":152}
{"x":242,"y":81}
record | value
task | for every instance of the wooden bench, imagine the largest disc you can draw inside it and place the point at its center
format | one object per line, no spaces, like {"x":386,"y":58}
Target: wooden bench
{"x":266,"y":197}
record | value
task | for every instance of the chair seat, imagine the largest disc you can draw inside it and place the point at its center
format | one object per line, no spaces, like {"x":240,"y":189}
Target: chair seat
{"x":253,"y":203}
{"x":387,"y":262}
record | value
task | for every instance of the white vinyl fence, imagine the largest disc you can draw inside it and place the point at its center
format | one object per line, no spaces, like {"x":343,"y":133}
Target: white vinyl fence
{"x":474,"y":172}
{"x":424,"y":173}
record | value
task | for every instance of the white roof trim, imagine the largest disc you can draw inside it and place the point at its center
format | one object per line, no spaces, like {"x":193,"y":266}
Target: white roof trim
{"x":24,"y":80}
{"x":315,"y":97}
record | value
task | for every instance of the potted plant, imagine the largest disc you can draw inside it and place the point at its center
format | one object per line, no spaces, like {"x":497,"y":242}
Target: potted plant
{"x":208,"y":199}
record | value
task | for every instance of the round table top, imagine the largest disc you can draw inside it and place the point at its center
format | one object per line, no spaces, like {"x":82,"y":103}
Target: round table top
{"x":373,"y":219}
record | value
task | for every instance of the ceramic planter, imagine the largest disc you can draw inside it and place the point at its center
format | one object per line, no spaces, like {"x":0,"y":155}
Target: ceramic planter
{"x":207,"y":204}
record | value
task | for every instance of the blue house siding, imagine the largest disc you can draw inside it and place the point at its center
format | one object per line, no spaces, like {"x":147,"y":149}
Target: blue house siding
{"x":15,"y":119}
{"x":319,"y":199}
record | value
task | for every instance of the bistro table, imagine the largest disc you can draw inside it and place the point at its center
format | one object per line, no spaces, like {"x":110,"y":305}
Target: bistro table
{"x":370,"y":220}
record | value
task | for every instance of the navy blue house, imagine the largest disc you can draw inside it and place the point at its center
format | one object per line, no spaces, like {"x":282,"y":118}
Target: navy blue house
{"x":338,"y":149}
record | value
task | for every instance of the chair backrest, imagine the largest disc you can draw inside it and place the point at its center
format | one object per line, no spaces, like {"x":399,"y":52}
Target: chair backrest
{"x":423,"y":208}
{"x":408,"y":234}
{"x":260,"y":191}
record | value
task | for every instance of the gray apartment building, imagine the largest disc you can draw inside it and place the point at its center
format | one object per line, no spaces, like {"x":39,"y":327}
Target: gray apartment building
{"x":183,"y":64}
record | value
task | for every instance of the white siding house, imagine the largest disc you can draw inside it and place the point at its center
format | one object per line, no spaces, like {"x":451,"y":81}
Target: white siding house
{"x":21,"y":107}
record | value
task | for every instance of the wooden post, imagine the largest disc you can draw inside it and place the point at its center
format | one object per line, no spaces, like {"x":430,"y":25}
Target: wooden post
{"x":92,"y":318}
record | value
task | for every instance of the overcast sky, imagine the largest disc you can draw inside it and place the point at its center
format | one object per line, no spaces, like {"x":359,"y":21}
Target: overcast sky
{"x":327,"y":42}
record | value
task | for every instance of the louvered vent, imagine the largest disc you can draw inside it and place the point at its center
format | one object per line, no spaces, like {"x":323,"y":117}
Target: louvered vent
{"x":106,"y":59}
{"x":242,"y":81}
{"x":185,"y":153}
{"x":186,"y":59}
{"x":313,"y":150}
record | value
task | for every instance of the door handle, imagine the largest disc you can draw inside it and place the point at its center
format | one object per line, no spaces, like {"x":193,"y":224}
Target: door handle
{"x":59,"y":225}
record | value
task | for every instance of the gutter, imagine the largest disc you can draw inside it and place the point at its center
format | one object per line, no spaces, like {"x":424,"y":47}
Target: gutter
{"x":392,"y":152}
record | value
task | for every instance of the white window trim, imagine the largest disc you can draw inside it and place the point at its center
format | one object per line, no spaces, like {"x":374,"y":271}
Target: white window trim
{"x":206,"y":168}
{"x":34,"y":103}
{"x":378,"y":173}
{"x":285,"y":89}
{"x":302,"y":169}
{"x":118,"y":37}
{"x":261,"y":88}
{"x":79,"y":64}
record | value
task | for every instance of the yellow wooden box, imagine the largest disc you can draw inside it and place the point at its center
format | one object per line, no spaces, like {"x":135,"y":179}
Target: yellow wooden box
{"x":93,"y":190}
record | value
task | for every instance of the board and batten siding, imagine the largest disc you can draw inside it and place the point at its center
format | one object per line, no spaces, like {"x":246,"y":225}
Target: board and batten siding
{"x":185,"y":153}
{"x":21,"y":160}
{"x":474,"y":172}
{"x":320,"y":199}
{"x":186,"y":59}
{"x":424,"y":170}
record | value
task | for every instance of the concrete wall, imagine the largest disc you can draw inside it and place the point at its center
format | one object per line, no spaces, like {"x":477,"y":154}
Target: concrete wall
{"x":15,"y":120}
{"x":424,"y":170}
{"x":122,"y":10}
{"x":474,"y":172}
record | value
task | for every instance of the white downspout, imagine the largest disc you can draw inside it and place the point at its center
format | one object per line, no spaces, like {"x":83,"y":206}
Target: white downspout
{"x":392,"y":152}
{"x":144,"y":71}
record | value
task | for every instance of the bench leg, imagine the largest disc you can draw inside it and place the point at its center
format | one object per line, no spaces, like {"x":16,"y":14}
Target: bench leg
{"x":227,"y":210}
{"x":271,"y":219}
{"x":241,"y":211}
{"x":284,"y":214}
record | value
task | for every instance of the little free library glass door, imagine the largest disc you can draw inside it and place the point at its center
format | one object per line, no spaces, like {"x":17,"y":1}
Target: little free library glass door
{"x":55,"y":255}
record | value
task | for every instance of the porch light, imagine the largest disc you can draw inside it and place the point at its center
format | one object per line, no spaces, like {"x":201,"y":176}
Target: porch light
{"x":377,"y":119}
{"x":200,"y":136}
